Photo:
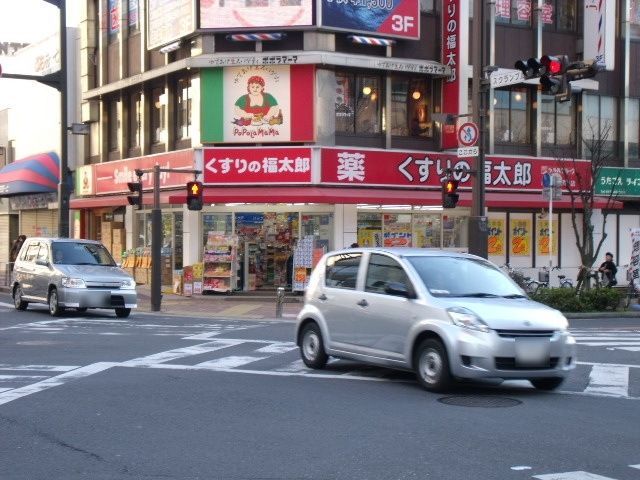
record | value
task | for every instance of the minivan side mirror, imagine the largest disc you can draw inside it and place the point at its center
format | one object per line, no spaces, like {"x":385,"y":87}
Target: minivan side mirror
{"x":399,"y":290}
{"x":42,"y":263}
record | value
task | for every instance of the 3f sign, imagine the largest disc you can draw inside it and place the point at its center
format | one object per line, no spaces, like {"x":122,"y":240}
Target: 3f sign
{"x":401,"y":23}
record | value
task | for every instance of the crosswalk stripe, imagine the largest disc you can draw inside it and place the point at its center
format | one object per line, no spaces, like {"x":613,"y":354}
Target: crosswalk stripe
{"x":177,"y":353}
{"x":278,"y":347}
{"x":229,"y":362}
{"x":629,"y":349}
{"x":602,"y":338}
{"x":609,"y":380}
{"x":610,"y":344}
{"x":10,"y":378}
{"x":47,"y":368}
{"x":580,"y":475}
{"x":635,"y":466}
{"x":293,"y":367}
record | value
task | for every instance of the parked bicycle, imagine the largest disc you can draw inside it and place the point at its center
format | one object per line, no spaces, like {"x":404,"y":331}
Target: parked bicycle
{"x":593,"y":277}
{"x":543,"y":280}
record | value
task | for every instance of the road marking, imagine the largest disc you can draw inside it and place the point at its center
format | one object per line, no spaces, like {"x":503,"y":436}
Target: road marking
{"x":635,"y":466}
{"x":47,"y":368}
{"x":293,"y":367}
{"x":610,"y":344}
{"x":572,"y":476}
{"x":8,"y":305}
{"x":278,"y":347}
{"x":230,"y":362}
{"x":5,"y":378}
{"x":520,"y":467}
{"x":177,"y":353}
{"x":609,"y":380}
{"x":610,"y":364}
{"x":15,"y":393}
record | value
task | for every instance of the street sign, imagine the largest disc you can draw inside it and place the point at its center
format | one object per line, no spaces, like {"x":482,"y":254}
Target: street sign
{"x":467,"y":152}
{"x":623,"y":182}
{"x":468,"y":134}
{"x":554,"y":192}
{"x":503,"y":77}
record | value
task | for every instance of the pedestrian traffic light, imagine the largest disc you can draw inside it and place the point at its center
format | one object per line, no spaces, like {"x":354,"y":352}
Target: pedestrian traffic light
{"x":135,"y":200}
{"x":194,"y":195}
{"x":449,"y":193}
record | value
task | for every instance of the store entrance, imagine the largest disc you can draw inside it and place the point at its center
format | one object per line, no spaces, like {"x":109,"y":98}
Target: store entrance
{"x":266,"y":242}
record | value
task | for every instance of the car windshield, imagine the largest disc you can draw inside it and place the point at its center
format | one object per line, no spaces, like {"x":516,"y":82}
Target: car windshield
{"x":72,"y":253}
{"x":464,"y":277}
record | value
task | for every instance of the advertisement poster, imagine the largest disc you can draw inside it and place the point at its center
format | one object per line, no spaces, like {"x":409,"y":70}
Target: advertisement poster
{"x":634,"y":263}
{"x":543,"y":238}
{"x":496,"y":236}
{"x":84,"y":180}
{"x":261,"y":104}
{"x":391,"y":18}
{"x":228,"y":14}
{"x":521,"y":237}
{"x":426,"y":231}
{"x":397,"y":230}
{"x":114,"y":17}
{"x":168,"y":21}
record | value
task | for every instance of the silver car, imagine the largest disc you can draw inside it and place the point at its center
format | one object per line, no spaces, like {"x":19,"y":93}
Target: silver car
{"x":70,"y":273}
{"x":443,"y":315}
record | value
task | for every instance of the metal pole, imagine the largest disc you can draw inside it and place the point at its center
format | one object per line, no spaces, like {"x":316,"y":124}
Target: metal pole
{"x":551,"y":190}
{"x":63,"y":188}
{"x":156,"y":244}
{"x":279,"y":300}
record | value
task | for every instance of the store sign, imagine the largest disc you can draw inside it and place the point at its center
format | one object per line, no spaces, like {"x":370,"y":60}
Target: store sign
{"x":261,"y":104}
{"x":624,"y":182}
{"x":233,"y":14}
{"x":599,"y":32}
{"x":389,"y":18}
{"x":257,"y":165}
{"x":84,"y":180}
{"x":168,"y":21}
{"x":346,"y":166}
{"x":112,"y":177}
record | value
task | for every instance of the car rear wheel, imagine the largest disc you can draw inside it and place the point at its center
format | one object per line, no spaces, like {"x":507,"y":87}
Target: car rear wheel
{"x":17,"y":299}
{"x":312,"y":347}
{"x":546,"y":383}
{"x":432,"y":365}
{"x":123,"y":312}
{"x":54,"y":307}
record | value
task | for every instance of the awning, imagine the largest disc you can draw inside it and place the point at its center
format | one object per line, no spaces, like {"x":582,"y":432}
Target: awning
{"x":36,"y":174}
{"x":114,"y":200}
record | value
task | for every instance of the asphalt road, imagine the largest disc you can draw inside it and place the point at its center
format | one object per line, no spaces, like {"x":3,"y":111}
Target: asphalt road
{"x":163,"y":397}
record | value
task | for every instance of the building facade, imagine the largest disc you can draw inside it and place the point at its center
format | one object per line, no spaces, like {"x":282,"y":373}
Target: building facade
{"x":324,"y":119}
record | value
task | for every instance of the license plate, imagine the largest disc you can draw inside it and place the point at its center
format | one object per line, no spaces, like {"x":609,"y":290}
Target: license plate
{"x":532,"y":352}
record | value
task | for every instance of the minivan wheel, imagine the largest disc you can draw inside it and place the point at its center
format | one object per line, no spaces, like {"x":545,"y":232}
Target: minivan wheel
{"x":123,"y":312}
{"x":17,"y":299}
{"x":546,"y":383}
{"x":432,"y":365}
{"x":54,"y":307}
{"x":312,"y":347}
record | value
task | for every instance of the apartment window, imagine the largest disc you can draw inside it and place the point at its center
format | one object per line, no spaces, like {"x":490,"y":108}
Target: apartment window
{"x":114,"y":125}
{"x":114,"y":20}
{"x":558,"y":120}
{"x":135,"y":120}
{"x":511,"y":114}
{"x":358,"y":104}
{"x":515,"y":12}
{"x":410,"y":107}
{"x":158,"y":109}
{"x":633,"y":127}
{"x":561,"y":15}
{"x":133,"y":16}
{"x":600,"y":122}
{"x":183,"y":108}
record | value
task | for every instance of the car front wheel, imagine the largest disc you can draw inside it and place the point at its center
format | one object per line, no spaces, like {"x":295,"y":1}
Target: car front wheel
{"x":546,"y":383}
{"x":54,"y":307}
{"x":432,"y":365}
{"x":312,"y":347}
{"x":17,"y":299}
{"x":123,"y":312}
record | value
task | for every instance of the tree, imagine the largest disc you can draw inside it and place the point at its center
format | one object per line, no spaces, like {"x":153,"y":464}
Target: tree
{"x":581,"y":189}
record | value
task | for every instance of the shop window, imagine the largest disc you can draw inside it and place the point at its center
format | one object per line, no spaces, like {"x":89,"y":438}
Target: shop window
{"x":133,"y":16}
{"x":114,"y":20}
{"x":410,"y":99}
{"x":158,"y":110}
{"x":600,"y":124}
{"x":633,"y":127}
{"x":114,"y":125}
{"x":135,"y":120}
{"x":514,"y":12}
{"x":427,"y":230}
{"x":511,"y":114}
{"x":561,"y":15}
{"x":558,"y":120}
{"x":358,"y":104}
{"x":183,"y":108}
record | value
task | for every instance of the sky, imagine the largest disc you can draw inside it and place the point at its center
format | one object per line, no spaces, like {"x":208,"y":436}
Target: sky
{"x":31,"y":20}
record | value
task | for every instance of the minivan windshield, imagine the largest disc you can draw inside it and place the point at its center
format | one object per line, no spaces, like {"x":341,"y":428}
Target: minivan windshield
{"x":80,"y":253}
{"x":464,"y":277}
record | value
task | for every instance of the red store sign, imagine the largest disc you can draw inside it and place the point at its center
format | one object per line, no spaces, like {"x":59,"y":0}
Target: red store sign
{"x":257,"y":165}
{"x":428,"y":169}
{"x":112,"y":177}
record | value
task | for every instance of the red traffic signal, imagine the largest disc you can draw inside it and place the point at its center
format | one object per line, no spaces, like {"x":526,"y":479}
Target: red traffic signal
{"x":554,"y":65}
{"x":449,"y":193}
{"x":194,"y":195}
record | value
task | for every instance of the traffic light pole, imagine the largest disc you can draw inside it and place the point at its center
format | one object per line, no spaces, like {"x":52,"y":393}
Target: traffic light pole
{"x":156,"y":234}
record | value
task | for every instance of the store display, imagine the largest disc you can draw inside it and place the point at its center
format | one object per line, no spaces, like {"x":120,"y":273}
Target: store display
{"x":219,"y":263}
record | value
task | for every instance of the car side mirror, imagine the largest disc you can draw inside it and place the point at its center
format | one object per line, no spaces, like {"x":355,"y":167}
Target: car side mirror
{"x":399,"y":290}
{"x":42,"y":263}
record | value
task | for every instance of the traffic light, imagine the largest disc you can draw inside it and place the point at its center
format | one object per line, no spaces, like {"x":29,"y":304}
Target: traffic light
{"x":530,"y":68}
{"x":194,"y":195}
{"x":135,"y":200}
{"x":554,"y":80}
{"x":449,"y":193}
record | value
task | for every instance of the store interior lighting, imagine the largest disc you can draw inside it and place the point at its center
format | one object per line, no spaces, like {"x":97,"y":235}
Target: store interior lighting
{"x":366,"y":90}
{"x":416,"y":95}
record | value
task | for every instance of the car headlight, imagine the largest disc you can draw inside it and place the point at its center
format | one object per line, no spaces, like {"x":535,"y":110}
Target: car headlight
{"x":73,"y":282}
{"x":129,"y":284}
{"x":465,"y":318}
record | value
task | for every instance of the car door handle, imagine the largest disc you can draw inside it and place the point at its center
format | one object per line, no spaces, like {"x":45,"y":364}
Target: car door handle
{"x":322,"y":297}
{"x":363,"y":303}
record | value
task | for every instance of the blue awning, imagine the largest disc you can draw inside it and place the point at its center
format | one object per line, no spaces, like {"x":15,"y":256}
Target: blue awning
{"x":35,"y":174}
